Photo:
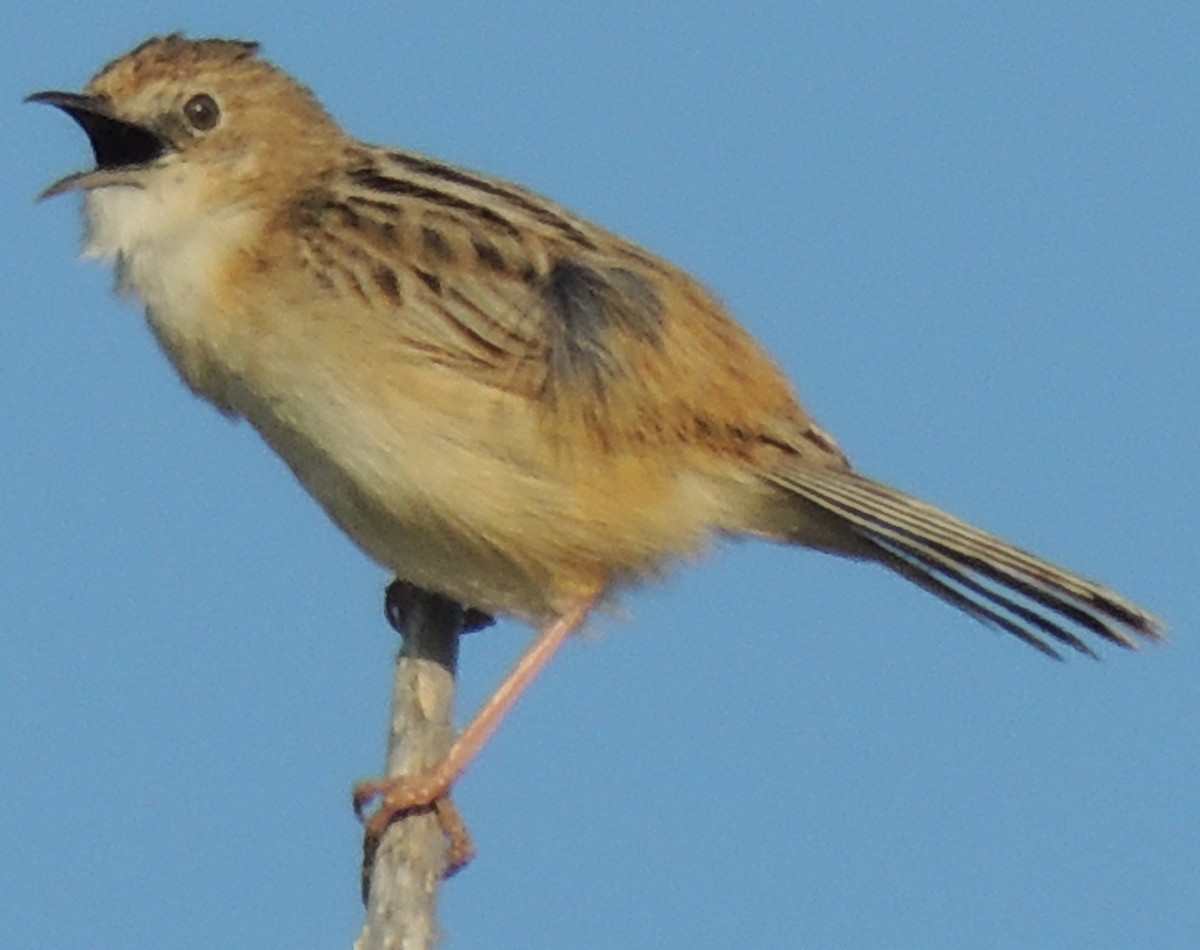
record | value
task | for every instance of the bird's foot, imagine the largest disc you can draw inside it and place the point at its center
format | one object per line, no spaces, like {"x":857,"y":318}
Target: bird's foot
{"x":397,"y":798}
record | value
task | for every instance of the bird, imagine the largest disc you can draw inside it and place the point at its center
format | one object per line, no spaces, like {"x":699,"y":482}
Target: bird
{"x":496,"y":399}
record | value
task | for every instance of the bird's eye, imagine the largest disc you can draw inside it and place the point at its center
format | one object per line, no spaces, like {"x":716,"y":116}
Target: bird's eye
{"x":202,"y":112}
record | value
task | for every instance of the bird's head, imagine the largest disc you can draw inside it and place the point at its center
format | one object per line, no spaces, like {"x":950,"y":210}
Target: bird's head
{"x":186,"y":133}
{"x":173,"y":104}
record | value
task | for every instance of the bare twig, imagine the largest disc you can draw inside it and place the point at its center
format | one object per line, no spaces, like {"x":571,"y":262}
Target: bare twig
{"x":402,"y":877}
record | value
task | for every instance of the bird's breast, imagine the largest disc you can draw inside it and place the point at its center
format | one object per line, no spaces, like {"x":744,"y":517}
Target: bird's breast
{"x":173,"y":254}
{"x":460,"y":488}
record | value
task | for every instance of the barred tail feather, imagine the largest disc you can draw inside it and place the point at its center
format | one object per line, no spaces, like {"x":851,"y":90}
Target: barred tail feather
{"x":972,"y":570}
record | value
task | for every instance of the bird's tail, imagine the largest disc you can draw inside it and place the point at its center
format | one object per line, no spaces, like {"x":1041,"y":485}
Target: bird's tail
{"x":970,"y":569}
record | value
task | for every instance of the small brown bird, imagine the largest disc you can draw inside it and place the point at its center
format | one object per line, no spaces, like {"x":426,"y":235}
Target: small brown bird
{"x":494,"y":398}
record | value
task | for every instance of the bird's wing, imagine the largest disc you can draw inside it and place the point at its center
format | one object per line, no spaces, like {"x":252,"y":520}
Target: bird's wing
{"x":487,"y":279}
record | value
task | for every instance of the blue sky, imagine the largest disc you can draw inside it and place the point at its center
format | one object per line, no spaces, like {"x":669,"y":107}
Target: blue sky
{"x":969,"y":237}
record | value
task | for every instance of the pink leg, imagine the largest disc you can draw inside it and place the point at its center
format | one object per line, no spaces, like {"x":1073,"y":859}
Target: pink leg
{"x":399,"y":796}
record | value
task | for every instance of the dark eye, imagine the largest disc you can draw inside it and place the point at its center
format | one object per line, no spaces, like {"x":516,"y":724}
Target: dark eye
{"x":202,"y":111}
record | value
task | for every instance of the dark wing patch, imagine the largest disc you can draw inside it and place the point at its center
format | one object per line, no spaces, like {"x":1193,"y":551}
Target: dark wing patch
{"x":587,"y":310}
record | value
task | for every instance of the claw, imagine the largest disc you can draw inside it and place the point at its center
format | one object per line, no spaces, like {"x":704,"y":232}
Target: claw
{"x":401,"y":797}
{"x":364,"y":794}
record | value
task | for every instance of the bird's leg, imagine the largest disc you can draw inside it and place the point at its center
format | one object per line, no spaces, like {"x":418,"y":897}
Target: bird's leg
{"x":399,"y":796}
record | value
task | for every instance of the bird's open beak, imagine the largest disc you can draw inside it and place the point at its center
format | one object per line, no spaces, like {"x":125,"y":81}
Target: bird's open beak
{"x":119,"y":146}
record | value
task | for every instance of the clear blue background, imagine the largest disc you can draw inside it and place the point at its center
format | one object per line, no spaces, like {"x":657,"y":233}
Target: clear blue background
{"x":972,"y":239}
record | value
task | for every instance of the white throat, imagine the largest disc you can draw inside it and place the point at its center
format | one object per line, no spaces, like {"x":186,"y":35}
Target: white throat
{"x":171,"y":246}
{"x":163,"y":236}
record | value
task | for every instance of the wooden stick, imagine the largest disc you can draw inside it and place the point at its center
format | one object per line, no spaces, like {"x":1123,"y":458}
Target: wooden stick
{"x":403,"y":875}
